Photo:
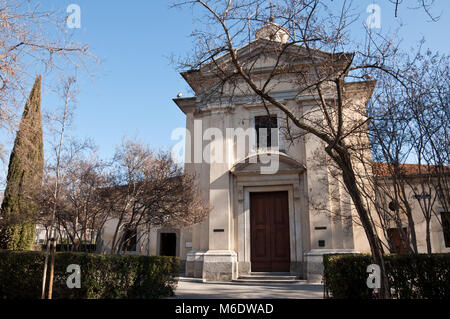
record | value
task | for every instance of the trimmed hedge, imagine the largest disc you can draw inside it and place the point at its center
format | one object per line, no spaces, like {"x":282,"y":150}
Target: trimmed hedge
{"x":102,"y":276}
{"x":410,"y":276}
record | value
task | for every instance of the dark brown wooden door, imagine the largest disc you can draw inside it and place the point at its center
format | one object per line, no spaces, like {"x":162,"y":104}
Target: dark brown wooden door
{"x":269,"y":219}
{"x":398,"y":245}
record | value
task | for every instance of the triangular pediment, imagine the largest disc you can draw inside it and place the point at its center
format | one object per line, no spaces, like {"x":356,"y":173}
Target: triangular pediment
{"x":261,"y":56}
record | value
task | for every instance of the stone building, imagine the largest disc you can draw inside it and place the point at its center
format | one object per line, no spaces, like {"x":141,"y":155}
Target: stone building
{"x":262,"y":221}
{"x":422,"y":186}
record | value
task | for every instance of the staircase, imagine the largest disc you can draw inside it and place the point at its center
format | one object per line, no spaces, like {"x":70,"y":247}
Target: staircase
{"x":268,"y":278}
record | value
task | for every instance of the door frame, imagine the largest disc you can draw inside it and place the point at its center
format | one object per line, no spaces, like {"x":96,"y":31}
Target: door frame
{"x":294,"y":234}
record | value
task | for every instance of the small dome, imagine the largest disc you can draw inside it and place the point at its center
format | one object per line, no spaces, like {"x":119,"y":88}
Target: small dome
{"x":273,"y":32}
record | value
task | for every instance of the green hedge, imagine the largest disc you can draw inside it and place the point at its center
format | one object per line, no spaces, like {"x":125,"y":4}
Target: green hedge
{"x":102,"y":276}
{"x":410,"y":276}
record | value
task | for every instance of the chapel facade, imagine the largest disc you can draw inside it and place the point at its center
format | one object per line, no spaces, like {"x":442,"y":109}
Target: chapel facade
{"x":262,"y":221}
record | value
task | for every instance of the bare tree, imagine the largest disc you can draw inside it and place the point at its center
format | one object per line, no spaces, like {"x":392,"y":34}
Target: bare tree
{"x":80,"y":210}
{"x":429,"y":131}
{"x":32,"y":39}
{"x":139,"y":190}
{"x":426,"y":5}
{"x":391,"y":147}
{"x":149,"y":189}
{"x":63,"y":121}
{"x":410,"y":124}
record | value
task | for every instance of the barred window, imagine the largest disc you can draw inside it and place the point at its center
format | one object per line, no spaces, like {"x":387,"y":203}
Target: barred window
{"x":263,"y":127}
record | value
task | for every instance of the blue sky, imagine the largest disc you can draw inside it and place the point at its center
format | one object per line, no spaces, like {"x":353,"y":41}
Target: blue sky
{"x":133,"y":89}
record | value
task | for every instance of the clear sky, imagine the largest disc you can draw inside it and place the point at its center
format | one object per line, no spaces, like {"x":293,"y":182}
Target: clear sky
{"x":132,"y":93}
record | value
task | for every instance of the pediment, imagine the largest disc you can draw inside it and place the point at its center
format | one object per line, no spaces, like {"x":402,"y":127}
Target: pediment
{"x":255,"y":164}
{"x":261,"y":56}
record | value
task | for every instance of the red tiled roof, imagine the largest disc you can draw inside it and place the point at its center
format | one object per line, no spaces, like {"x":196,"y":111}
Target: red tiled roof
{"x":382,"y":169}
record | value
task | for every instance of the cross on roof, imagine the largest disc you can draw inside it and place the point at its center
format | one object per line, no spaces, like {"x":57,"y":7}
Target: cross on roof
{"x":271,"y":6}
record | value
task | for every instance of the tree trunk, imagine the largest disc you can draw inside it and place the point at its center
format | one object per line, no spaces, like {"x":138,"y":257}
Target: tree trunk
{"x":344,"y":162}
{"x":52,"y":269}
{"x":411,"y":224}
{"x":428,"y":235}
{"x":412,"y":230}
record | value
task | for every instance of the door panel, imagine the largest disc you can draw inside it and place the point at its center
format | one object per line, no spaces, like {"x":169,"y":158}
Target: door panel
{"x":398,"y":243}
{"x":269,"y":219}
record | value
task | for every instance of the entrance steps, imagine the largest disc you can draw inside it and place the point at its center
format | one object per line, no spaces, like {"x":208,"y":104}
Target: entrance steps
{"x":268,"y":278}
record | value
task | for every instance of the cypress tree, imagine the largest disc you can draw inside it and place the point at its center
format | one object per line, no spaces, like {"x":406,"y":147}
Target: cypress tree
{"x":20,"y":205}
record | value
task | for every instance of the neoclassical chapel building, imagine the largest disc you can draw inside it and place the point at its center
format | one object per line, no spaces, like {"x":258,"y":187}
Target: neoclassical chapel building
{"x":260,"y":222}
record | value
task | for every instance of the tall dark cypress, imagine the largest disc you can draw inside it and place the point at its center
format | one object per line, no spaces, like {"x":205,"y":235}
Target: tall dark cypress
{"x":20,"y":205}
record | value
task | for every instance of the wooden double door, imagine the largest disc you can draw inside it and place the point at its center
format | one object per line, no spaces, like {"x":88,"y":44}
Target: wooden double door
{"x":269,"y":219}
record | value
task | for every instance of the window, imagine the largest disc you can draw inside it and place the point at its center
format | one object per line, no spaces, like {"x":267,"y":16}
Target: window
{"x":263,"y":127}
{"x":446,"y":227}
{"x":129,"y":239}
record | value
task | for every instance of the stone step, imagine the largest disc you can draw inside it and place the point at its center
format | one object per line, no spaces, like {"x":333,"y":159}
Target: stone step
{"x":267,"y":281}
{"x":267,"y":277}
{"x":279,"y":275}
{"x":188,"y":279}
{"x":270,"y":274}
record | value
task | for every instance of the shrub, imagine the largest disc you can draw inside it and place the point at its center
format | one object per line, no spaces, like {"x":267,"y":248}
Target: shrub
{"x":409,"y":276}
{"x":419,"y":276}
{"x":102,"y":276}
{"x":345,"y":275}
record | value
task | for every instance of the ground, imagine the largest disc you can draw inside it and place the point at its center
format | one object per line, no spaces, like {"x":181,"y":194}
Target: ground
{"x":230,"y":290}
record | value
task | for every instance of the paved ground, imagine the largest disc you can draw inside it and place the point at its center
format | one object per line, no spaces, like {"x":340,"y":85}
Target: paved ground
{"x":210,"y":290}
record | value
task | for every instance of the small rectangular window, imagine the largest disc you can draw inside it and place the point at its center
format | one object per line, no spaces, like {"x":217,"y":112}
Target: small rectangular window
{"x":129,"y":239}
{"x":446,"y":227}
{"x":263,"y":127}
